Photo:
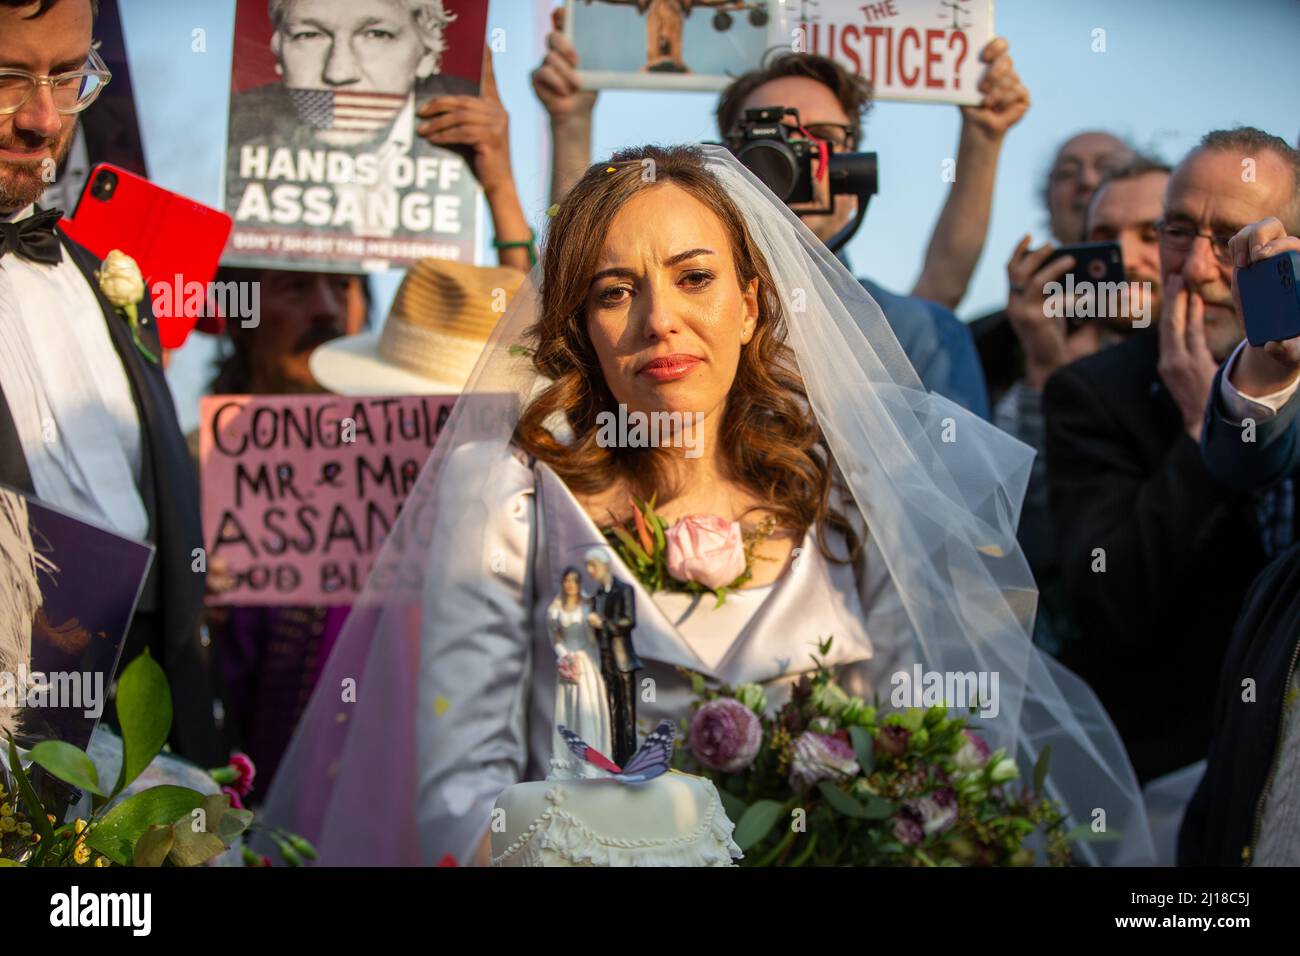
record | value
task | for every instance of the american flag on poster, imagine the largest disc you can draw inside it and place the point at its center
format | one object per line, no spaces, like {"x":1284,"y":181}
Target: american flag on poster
{"x":347,"y":110}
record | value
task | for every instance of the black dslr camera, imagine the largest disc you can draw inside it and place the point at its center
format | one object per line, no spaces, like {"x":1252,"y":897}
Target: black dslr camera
{"x":782,"y":157}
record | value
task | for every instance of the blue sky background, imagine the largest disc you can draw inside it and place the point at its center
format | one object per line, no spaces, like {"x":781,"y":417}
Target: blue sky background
{"x":1171,"y":71}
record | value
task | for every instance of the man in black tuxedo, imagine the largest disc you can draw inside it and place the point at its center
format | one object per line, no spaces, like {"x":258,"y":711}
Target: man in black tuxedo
{"x":612,"y":617}
{"x":1156,"y":554}
{"x":87,"y":421}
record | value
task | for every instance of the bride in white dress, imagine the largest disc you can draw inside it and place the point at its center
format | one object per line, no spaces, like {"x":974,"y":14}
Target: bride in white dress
{"x":673,"y":283}
{"x":580,"y":703}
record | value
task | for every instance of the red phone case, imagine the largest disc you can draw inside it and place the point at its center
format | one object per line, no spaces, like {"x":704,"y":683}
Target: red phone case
{"x":175,"y":241}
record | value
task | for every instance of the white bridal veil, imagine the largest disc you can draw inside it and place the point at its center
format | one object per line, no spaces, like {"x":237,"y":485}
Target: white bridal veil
{"x":938,"y":488}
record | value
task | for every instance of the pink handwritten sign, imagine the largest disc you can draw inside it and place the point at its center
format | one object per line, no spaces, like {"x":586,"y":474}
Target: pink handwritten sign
{"x":299,"y":492}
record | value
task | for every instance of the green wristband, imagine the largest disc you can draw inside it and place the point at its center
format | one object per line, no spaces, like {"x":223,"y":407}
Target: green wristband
{"x":529,"y":244}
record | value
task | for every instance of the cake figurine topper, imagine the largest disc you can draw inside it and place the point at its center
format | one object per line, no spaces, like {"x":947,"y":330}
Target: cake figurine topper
{"x":612,"y":617}
{"x":581,"y":701}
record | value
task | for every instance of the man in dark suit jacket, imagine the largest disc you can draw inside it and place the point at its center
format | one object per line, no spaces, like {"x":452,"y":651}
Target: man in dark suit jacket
{"x":54,"y":317}
{"x":1156,"y":554}
{"x":1244,"y":808}
{"x":613,"y":616}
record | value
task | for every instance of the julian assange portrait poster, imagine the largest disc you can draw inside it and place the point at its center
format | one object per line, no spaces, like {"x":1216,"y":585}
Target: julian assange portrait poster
{"x":324,"y":168}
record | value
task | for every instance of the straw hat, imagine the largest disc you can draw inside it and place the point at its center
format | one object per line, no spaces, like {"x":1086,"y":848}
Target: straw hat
{"x":440,"y":320}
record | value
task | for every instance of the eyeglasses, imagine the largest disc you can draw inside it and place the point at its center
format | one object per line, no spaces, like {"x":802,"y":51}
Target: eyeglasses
{"x":1180,"y":237}
{"x":838,"y":135}
{"x":72,"y":92}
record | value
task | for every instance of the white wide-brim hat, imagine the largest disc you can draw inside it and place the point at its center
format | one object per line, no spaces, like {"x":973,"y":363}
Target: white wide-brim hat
{"x":441,"y":318}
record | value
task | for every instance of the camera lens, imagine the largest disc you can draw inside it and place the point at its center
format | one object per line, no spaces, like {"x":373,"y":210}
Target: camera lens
{"x":774,"y":163}
{"x":104,"y":185}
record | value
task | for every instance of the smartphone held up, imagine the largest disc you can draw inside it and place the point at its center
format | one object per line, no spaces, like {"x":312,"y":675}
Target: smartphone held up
{"x":1096,"y":279}
{"x":1270,"y":299}
{"x":176,"y":242}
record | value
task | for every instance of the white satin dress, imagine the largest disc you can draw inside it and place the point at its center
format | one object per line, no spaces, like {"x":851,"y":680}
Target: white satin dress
{"x":493,"y":668}
{"x":580,"y":705}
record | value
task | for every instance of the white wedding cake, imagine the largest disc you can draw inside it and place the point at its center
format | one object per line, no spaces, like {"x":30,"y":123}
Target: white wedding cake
{"x":673,"y":820}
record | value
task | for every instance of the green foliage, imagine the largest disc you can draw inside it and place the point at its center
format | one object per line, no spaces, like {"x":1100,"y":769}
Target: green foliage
{"x":70,"y":764}
{"x":154,"y":827}
{"x":757,"y":822}
{"x":144,"y":712}
{"x":116,"y":833}
{"x":153,"y":846}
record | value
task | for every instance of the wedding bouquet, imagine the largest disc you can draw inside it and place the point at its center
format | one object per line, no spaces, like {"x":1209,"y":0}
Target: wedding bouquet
{"x":829,"y":781}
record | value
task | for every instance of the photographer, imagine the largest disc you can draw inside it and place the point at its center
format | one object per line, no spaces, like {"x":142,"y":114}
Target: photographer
{"x":1081,"y":164}
{"x":830,"y":102}
{"x":1246,"y":809}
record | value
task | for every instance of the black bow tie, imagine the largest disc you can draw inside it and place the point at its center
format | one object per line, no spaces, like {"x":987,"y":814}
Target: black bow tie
{"x":33,"y":238}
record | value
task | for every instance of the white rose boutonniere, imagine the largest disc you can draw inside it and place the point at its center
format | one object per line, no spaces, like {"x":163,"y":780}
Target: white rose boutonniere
{"x":124,"y":287}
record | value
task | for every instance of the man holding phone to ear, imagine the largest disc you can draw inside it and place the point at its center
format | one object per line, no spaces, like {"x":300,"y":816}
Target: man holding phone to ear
{"x":87,"y":421}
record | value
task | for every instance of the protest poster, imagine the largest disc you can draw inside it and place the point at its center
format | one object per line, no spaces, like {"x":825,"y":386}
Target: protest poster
{"x":68,"y":590}
{"x":300,"y":492}
{"x":666,"y":44}
{"x":324,"y":168}
{"x":109,"y":133}
{"x":922,"y":50}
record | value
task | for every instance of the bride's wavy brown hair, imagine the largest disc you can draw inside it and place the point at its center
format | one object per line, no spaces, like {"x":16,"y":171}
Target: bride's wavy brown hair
{"x":770,"y":440}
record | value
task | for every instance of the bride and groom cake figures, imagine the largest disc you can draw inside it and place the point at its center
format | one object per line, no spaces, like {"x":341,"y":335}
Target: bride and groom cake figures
{"x":595,"y":701}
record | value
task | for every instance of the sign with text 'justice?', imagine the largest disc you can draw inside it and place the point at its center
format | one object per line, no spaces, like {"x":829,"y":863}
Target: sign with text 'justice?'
{"x":909,"y":49}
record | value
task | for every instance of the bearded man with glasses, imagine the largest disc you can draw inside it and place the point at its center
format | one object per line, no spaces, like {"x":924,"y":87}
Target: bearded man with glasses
{"x":87,"y":421}
{"x":1156,"y":554}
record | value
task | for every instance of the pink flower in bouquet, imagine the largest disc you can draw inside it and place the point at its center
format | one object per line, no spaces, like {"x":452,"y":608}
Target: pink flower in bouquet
{"x":725,"y":735}
{"x":973,"y":754}
{"x":816,"y":757}
{"x":233,"y":794}
{"x":907,"y":828}
{"x":938,"y":810}
{"x":244,"y":773}
{"x":707,"y":549}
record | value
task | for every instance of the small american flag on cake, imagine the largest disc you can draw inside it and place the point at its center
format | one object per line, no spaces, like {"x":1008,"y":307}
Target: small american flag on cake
{"x":347,"y":110}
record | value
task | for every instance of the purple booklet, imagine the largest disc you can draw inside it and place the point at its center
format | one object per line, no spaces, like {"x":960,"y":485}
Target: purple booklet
{"x":68,"y":590}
